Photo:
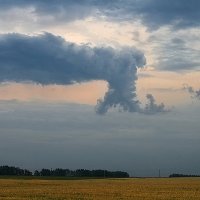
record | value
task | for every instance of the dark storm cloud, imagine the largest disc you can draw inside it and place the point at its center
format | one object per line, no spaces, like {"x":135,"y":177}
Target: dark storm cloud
{"x":49,"y":59}
{"x":153,"y":13}
{"x":156,"y":13}
{"x":178,"y":13}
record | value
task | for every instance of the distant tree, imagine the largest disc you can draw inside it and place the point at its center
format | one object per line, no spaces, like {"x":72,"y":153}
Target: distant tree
{"x":45,"y":172}
{"x":27,"y":173}
{"x":182,"y":175}
{"x":14,"y":171}
{"x":36,"y":173}
{"x":83,"y":173}
{"x":58,"y":172}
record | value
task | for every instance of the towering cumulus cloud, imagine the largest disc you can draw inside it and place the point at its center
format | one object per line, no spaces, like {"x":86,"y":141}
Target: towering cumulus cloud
{"x":49,"y":59}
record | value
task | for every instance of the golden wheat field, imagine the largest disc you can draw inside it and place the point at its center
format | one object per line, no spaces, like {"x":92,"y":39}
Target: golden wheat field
{"x":100,"y":189}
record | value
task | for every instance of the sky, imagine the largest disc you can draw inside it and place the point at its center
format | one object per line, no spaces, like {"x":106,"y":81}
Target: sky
{"x":100,"y":84}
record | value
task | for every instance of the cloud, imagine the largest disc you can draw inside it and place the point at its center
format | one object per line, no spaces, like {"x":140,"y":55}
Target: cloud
{"x":73,"y":131}
{"x":152,"y":108}
{"x":48,"y":59}
{"x":194,"y":93}
{"x":67,"y":10}
{"x":177,"y":52}
{"x":179,"y":14}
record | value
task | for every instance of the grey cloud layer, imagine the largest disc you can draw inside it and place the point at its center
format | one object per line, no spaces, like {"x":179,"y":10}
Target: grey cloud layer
{"x":175,"y":50}
{"x":48,"y":59}
{"x":153,"y":13}
{"x":137,"y":143}
{"x":175,"y":14}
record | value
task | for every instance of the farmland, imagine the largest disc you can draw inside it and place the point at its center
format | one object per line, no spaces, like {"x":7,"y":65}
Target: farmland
{"x":133,"y":188}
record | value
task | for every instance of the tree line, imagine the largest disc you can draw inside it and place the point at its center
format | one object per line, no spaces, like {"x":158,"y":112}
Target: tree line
{"x":182,"y":175}
{"x":16,"y":171}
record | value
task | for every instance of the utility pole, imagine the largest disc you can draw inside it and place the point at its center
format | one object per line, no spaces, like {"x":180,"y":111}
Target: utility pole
{"x":159,"y":173}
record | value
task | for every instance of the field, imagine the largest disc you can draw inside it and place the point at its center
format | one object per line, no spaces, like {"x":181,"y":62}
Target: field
{"x":100,"y":189}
